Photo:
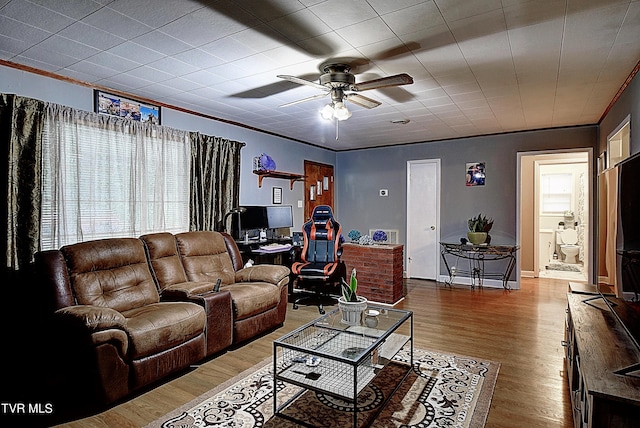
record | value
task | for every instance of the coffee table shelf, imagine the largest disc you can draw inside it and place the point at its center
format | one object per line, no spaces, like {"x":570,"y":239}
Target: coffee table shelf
{"x":329,"y":357}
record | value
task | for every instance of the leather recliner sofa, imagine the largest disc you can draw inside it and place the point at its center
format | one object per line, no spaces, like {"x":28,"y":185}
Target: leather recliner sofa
{"x":126,"y":312}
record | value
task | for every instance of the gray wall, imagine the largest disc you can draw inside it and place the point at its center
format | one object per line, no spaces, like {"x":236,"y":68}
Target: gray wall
{"x":288,"y":155}
{"x":362,"y":173}
{"x":628,"y":103}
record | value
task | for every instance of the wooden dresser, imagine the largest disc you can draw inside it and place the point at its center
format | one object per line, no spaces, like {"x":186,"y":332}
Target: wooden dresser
{"x":596,"y":347}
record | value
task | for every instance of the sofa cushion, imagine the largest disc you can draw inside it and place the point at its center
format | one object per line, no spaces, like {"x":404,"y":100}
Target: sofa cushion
{"x":204,"y":257}
{"x":112,"y":273}
{"x":251,"y":298}
{"x":164,"y":259}
{"x":160,"y":326}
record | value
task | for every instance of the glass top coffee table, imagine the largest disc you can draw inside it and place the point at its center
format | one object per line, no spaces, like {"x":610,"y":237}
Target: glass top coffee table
{"x":330,"y":357}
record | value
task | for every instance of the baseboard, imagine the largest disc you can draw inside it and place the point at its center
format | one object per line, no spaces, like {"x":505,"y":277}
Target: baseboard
{"x":527,"y":274}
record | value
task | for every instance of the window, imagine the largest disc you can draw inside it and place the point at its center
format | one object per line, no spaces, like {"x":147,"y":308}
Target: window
{"x":105,"y":177}
{"x":556,"y":193}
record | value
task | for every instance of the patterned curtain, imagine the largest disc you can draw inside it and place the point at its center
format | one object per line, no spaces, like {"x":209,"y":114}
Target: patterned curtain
{"x":21,"y":121}
{"x":215,"y":180}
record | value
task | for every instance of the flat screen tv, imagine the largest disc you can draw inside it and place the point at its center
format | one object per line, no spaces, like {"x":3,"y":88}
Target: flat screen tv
{"x":279,"y":216}
{"x":629,"y":203}
{"x":628,"y":234}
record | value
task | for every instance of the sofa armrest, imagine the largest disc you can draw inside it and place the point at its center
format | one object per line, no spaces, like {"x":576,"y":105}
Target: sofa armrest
{"x":93,"y":318}
{"x":272,"y":274}
{"x":93,"y":326}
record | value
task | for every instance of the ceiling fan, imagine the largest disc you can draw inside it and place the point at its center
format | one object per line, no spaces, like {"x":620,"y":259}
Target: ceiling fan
{"x":338,"y":82}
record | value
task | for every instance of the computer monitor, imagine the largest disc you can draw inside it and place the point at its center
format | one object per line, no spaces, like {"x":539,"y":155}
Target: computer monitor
{"x":252,"y":219}
{"x":279,"y":216}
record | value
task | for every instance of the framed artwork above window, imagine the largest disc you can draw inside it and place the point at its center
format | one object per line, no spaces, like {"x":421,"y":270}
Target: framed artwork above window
{"x":115,"y":105}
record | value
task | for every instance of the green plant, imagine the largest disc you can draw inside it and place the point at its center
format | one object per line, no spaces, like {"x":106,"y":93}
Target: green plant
{"x":349,"y":290}
{"x":480,"y":223}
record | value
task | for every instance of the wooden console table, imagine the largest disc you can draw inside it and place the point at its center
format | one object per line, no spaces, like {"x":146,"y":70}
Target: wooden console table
{"x":477,"y":255}
{"x":600,"y":359}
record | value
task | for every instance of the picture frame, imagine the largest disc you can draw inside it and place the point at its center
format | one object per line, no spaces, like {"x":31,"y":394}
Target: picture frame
{"x":475,"y":173}
{"x":276,"y":196}
{"x":128,"y":108}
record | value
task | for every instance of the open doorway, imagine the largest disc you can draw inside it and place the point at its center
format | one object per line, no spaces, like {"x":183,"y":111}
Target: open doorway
{"x":555,"y":214}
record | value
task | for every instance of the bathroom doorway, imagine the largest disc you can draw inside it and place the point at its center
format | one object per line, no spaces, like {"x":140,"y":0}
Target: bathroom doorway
{"x":555,"y":200}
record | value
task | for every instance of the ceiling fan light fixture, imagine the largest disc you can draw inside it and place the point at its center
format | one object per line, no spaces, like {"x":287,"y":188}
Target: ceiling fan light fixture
{"x":341,"y":112}
{"x":327,"y":112}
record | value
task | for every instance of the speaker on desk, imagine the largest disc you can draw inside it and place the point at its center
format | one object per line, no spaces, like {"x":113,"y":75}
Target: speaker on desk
{"x":297,"y":239}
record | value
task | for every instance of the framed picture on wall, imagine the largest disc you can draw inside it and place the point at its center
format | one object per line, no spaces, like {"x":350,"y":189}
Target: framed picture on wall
{"x":115,"y":105}
{"x":475,"y":174}
{"x":276,"y":197}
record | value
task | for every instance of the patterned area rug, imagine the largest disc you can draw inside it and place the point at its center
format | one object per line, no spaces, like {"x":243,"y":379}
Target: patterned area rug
{"x":563,"y":267}
{"x":440,"y":390}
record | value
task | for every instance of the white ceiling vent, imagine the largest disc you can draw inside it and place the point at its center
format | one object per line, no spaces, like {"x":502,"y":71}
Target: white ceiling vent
{"x":392,"y":235}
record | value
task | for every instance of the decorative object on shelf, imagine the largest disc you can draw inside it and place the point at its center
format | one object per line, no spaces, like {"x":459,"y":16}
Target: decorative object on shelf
{"x":379,"y":236}
{"x":354,"y":235}
{"x":351,"y":305}
{"x":475,"y":174}
{"x":365,"y":240}
{"x":264,"y":162}
{"x":479,"y":227}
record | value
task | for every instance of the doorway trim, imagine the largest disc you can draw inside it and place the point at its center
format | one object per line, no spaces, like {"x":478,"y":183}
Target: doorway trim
{"x":592,"y":188}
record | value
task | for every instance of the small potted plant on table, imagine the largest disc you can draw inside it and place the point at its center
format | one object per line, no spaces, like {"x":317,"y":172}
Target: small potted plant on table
{"x":479,"y":227}
{"x":351,"y":305}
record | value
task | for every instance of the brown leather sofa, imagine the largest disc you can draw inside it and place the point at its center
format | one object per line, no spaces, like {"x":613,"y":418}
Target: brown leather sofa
{"x":126,"y":312}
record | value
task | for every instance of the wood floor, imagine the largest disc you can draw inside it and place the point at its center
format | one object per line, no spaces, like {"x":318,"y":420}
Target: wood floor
{"x":521,"y":329}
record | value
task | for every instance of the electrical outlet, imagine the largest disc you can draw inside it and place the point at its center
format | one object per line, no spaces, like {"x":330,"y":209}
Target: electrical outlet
{"x":300,"y":204}
{"x":384,"y":192}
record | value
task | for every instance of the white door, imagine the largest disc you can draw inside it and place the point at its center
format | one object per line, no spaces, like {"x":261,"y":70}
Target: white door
{"x":423,"y":219}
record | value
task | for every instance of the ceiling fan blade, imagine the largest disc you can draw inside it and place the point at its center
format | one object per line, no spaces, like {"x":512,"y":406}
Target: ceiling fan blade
{"x":313,"y":97}
{"x":363,"y":101}
{"x":300,"y":81}
{"x":384,"y":82}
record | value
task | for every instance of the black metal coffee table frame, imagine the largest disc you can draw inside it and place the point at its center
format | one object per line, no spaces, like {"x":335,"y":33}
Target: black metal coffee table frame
{"x":348,"y":358}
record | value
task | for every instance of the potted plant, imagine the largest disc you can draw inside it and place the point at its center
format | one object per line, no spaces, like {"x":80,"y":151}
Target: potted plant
{"x":351,"y":305}
{"x":479,"y":227}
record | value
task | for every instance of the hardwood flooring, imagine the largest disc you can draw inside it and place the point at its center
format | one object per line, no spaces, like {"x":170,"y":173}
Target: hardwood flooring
{"x":522,"y":329}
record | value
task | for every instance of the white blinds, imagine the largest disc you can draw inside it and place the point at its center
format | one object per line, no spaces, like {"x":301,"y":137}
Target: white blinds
{"x":109,"y":177}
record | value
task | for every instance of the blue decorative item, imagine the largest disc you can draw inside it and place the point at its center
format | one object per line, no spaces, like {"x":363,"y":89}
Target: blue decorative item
{"x":266,"y":163}
{"x":354,"y":235}
{"x":379,"y":236}
{"x":365,"y":240}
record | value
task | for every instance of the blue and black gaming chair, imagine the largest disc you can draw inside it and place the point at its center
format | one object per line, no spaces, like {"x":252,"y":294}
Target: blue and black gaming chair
{"x":319,"y":268}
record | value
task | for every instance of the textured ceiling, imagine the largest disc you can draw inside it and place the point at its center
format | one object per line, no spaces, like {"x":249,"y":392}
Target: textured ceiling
{"x":479,"y":67}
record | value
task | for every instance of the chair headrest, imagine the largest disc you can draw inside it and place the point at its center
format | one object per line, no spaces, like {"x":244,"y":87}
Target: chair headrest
{"x":322,"y":213}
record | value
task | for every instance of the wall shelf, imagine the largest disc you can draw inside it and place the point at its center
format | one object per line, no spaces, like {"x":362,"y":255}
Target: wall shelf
{"x":279,"y":174}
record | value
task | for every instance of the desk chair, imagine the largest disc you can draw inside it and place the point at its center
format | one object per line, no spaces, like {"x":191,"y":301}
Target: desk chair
{"x":319,"y":269}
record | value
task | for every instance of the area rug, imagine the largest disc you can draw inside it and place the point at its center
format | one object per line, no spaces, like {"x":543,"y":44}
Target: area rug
{"x":440,"y":390}
{"x":563,"y":267}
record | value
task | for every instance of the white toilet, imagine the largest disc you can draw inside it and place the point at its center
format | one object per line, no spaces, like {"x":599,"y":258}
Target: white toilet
{"x":568,"y":238}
